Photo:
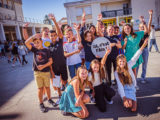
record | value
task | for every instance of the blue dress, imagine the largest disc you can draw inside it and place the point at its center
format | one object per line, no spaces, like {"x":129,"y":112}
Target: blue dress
{"x":130,"y":92}
{"x":68,"y":100}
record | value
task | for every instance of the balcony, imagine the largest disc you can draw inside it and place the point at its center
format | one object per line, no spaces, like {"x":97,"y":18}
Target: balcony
{"x":115,"y":13}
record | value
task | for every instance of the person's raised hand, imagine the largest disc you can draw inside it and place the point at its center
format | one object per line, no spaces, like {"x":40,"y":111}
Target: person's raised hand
{"x":99,"y":17}
{"x":51,"y":16}
{"x":150,"y":12}
{"x":26,"y":24}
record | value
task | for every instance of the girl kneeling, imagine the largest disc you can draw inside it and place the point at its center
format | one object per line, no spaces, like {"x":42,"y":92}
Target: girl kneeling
{"x":126,"y":79}
{"x":74,"y":98}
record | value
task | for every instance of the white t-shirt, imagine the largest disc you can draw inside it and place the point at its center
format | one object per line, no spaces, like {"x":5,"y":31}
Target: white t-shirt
{"x":46,"y":42}
{"x":22,"y":49}
{"x":71,"y":47}
{"x":152,"y":34}
{"x":96,"y":79}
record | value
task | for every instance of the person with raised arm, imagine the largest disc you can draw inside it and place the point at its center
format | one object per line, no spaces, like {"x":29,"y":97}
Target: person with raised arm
{"x":126,"y":79}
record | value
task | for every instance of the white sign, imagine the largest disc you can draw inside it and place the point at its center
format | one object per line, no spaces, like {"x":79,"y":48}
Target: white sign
{"x":99,"y":46}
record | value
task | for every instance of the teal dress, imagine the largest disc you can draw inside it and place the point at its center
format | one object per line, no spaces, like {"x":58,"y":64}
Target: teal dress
{"x":68,"y":100}
{"x":132,"y":47}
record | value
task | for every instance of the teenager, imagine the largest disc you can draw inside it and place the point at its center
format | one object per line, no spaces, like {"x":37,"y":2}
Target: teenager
{"x":15,"y":53}
{"x":87,"y":37}
{"x":99,"y":90}
{"x":58,"y":67}
{"x":74,"y":98}
{"x":72,"y":51}
{"x":153,"y":39}
{"x":145,"y":52}
{"x":126,"y":79}
{"x":131,"y":43}
{"x":42,"y":61}
{"x":23,"y":51}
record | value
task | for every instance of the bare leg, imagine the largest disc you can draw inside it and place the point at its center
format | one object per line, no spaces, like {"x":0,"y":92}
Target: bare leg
{"x":19,"y":58}
{"x":85,"y":99}
{"x":40,"y":95}
{"x":48,"y":92}
{"x":134,"y":107}
{"x":79,"y":114}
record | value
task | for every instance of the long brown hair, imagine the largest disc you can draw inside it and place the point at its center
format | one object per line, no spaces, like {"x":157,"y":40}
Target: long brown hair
{"x":85,"y":82}
{"x":85,"y":34}
{"x":124,"y":76}
{"x":132,"y":33}
{"x":101,"y":70}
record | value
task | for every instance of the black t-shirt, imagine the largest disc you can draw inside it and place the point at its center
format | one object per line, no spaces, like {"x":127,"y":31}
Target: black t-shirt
{"x":143,"y":39}
{"x":41,"y":57}
{"x":57,"y":53}
{"x":114,"y":51}
{"x":89,"y":56}
{"x":6,"y":47}
{"x":15,"y":50}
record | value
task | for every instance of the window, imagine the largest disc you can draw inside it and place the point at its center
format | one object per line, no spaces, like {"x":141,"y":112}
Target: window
{"x":79,"y":11}
{"x":88,"y":10}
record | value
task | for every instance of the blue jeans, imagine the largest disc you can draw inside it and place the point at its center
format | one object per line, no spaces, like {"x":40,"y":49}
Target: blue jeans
{"x":73,"y":69}
{"x":87,"y":64}
{"x":153,"y":42}
{"x":145,"y":54}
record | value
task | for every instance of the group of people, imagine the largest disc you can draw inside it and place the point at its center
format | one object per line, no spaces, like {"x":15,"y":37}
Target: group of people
{"x":59,"y":52}
{"x":14,"y":51}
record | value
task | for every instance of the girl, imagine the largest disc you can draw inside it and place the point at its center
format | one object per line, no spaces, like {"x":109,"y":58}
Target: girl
{"x":116,"y":45}
{"x":23,"y":52}
{"x":74,"y":97}
{"x":8,"y":53}
{"x":131,"y":43}
{"x":87,"y":37}
{"x":145,"y":52}
{"x":126,"y":79}
{"x":14,"y":51}
{"x":72,"y":51}
{"x":96,"y":77}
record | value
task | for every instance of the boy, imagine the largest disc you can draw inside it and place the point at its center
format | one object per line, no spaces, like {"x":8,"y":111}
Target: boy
{"x":153,"y":39}
{"x":41,"y":62}
{"x":59,"y":67}
{"x":45,"y":37}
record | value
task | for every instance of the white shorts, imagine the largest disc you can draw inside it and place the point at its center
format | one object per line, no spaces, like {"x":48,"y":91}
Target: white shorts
{"x":57,"y":81}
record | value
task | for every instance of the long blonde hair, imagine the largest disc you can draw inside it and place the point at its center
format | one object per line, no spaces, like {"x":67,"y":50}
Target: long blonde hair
{"x":124,"y":77}
{"x":101,"y":70}
{"x":77,"y":77}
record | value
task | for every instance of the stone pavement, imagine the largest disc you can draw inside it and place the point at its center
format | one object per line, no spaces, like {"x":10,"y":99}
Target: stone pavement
{"x":18,"y":95}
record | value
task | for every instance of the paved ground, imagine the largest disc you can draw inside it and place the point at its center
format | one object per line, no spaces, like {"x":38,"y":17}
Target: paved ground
{"x":18,"y":96}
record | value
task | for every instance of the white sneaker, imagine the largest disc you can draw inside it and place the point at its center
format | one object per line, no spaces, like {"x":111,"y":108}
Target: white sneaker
{"x":143,"y":81}
{"x":137,"y":88}
{"x":13,"y":65}
{"x":110,"y":102}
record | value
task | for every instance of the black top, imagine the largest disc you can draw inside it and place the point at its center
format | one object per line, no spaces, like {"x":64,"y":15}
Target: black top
{"x":143,"y":39}
{"x":6,"y":47}
{"x":41,"y":57}
{"x":114,"y":51}
{"x":57,"y":53}
{"x":89,"y":56}
{"x":15,"y":50}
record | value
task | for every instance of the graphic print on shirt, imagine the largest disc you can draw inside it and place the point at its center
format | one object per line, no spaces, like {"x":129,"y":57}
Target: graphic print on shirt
{"x":54,"y":48}
{"x":41,"y":57}
{"x":47,"y":43}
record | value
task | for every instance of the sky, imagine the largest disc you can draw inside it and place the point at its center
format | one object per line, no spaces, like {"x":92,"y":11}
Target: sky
{"x":37,"y":9}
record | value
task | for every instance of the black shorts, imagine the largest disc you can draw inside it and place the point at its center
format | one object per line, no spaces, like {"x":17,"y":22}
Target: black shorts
{"x":61,"y":71}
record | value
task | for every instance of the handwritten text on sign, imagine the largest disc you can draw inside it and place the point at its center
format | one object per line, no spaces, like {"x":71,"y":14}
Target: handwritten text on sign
{"x":99,"y":46}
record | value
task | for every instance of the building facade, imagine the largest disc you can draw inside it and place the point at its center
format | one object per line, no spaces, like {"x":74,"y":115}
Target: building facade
{"x":113,"y":11}
{"x":12,"y":19}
